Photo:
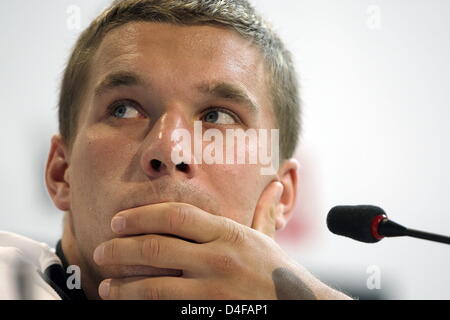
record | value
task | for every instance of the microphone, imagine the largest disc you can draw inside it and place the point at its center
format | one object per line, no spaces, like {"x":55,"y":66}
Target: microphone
{"x":370,"y":224}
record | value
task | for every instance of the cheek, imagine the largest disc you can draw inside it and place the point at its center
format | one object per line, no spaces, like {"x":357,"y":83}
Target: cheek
{"x":97,"y":163}
{"x":239,"y":188}
{"x":101,"y":154}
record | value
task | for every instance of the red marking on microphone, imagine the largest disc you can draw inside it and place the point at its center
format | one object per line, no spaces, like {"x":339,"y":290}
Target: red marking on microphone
{"x":374,"y":226}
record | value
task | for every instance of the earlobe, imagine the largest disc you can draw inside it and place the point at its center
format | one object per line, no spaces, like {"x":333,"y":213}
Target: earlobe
{"x":57,"y":174}
{"x":288,"y":176}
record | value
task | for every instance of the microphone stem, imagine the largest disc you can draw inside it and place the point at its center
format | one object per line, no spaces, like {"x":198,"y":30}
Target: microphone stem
{"x":427,"y":236}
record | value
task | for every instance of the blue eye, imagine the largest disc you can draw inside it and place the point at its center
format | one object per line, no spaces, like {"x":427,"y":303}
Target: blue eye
{"x":124,"y":110}
{"x":212,"y":116}
{"x":219,"y":117}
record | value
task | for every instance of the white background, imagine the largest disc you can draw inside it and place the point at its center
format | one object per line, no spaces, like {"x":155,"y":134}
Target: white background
{"x":375,"y":79}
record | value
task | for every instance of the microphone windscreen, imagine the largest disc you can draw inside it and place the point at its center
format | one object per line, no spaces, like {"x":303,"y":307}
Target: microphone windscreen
{"x":354,"y":221}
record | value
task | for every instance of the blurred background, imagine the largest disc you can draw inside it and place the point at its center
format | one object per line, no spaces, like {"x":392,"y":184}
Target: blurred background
{"x":375,"y":85}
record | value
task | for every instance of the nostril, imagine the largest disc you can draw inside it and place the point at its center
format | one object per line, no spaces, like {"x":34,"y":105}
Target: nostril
{"x":183,"y":167}
{"x":156,"y":164}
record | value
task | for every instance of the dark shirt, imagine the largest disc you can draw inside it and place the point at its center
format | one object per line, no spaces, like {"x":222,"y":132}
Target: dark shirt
{"x":56,"y":276}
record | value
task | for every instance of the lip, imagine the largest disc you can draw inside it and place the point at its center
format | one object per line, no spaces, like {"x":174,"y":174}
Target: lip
{"x":143,"y":204}
{"x":163,"y":191}
{"x":188,"y":196}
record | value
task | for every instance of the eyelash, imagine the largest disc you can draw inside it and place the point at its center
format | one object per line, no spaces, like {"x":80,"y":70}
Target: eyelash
{"x":112,"y":106}
{"x":224,"y":110}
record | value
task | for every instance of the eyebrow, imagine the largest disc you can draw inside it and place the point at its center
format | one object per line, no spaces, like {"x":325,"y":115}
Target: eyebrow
{"x":230,"y":92}
{"x":117,"y":79}
{"x":217,"y":89}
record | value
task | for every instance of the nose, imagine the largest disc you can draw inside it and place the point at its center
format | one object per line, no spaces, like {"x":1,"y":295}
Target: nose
{"x":156,"y":159}
{"x":158,"y":166}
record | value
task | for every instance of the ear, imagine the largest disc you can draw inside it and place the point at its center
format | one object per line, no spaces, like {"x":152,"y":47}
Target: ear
{"x":268,"y":208}
{"x":57,"y":174}
{"x":288,"y":176}
{"x":275,"y":205}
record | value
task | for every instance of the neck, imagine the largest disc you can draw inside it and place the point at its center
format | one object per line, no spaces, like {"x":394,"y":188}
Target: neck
{"x":69,"y":245}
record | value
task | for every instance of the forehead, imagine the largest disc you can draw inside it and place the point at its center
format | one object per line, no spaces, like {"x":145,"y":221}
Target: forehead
{"x":169,"y":54}
{"x":200,"y":41}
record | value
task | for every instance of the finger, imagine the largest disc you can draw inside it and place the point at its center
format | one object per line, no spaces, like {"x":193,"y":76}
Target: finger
{"x":145,"y":288}
{"x":152,"y":250}
{"x":268,"y":208}
{"x":180,"y":219}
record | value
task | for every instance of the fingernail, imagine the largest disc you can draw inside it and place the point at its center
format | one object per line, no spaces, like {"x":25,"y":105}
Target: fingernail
{"x":118,"y":224}
{"x":103,"y":289}
{"x":99,"y":253}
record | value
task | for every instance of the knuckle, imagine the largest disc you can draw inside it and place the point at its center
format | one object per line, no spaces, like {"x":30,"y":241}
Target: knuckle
{"x":177,"y":218}
{"x":111,"y":249}
{"x":235,"y":234}
{"x":151,"y":293}
{"x":223,"y":263}
{"x":151,"y":248}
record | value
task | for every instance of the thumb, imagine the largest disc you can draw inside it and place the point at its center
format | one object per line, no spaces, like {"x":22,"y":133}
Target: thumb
{"x":268,"y":208}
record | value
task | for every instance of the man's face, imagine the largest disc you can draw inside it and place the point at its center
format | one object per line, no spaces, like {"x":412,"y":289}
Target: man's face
{"x":146,"y":80}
